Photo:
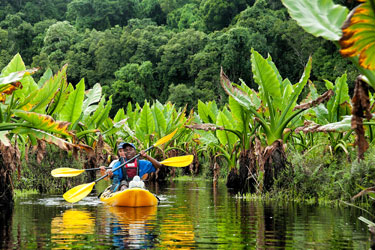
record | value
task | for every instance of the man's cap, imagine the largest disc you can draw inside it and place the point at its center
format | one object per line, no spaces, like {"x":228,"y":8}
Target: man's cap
{"x":124,"y":144}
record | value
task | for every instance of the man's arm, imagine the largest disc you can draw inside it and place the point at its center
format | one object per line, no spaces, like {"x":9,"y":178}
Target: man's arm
{"x":151,"y":159}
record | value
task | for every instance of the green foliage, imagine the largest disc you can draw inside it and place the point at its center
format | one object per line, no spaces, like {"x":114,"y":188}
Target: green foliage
{"x":37,"y":175}
{"x":98,"y":38}
{"x":318,"y":175}
{"x":185,"y":17}
{"x":101,"y":14}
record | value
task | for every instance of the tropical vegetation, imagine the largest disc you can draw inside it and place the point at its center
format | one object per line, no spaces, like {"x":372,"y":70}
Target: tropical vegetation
{"x":277,"y":117}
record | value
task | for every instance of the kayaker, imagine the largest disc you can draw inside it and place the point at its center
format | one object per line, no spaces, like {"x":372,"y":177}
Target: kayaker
{"x":122,"y":177}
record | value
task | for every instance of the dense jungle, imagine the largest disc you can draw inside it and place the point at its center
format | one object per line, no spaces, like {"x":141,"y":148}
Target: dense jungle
{"x":271,"y":101}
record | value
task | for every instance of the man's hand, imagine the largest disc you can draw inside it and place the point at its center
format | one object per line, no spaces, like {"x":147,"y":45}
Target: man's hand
{"x":143,"y":154}
{"x":103,"y":171}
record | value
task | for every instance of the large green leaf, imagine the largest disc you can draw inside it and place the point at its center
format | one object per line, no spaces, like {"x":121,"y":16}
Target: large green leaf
{"x":120,"y":115}
{"x":269,"y":85}
{"x":132,"y":120}
{"x":225,"y":137}
{"x":61,"y":98}
{"x":234,"y":91}
{"x":207,"y":138}
{"x":45,"y":77}
{"x":8,"y":82}
{"x":51,"y":139}
{"x":239,"y":114}
{"x":73,"y":108}
{"x":265,"y":76}
{"x":93,"y":96}
{"x":341,"y":91}
{"x":16,"y":64}
{"x":44,"y":122}
{"x":318,"y":17}
{"x":203,"y":112}
{"x":160,"y":121}
{"x":38,"y":100}
{"x":146,"y":122}
{"x":104,"y":114}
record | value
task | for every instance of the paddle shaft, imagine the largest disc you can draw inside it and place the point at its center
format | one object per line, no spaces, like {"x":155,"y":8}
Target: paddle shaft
{"x":131,"y":159}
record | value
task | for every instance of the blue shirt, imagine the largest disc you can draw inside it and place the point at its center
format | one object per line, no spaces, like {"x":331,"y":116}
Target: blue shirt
{"x":145,"y":167}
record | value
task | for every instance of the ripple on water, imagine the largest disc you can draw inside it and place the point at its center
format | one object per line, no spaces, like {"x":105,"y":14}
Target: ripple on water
{"x":59,"y":201}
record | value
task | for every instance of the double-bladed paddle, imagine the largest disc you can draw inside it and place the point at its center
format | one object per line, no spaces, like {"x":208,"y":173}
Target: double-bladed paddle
{"x":178,"y":161}
{"x":79,"y":192}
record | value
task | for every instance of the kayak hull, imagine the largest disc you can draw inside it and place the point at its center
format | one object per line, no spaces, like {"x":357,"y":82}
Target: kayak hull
{"x":132,"y":197}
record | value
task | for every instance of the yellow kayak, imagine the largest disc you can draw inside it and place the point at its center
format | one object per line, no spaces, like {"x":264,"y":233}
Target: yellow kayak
{"x":131,"y":197}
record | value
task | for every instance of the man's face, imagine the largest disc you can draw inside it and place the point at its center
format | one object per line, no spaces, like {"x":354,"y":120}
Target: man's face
{"x":129,"y":152}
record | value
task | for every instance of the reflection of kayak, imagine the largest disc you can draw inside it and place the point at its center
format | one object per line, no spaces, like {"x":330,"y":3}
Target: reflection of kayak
{"x":73,"y":222}
{"x":132,"y":197}
{"x":128,"y":215}
{"x":67,"y":229}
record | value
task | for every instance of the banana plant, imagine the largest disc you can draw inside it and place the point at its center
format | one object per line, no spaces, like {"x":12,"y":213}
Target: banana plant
{"x":278,"y":97}
{"x":24,"y":118}
{"x":146,"y":124}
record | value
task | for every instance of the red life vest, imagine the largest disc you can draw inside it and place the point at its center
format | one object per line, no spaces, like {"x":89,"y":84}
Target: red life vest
{"x":132,"y":169}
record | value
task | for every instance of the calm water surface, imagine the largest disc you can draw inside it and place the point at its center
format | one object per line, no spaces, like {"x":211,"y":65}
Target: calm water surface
{"x":191,"y":215}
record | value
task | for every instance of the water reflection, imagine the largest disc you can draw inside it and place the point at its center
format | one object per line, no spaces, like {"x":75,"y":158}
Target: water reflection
{"x":176,"y":231}
{"x":190,"y":216}
{"x":5,"y":226}
{"x":130,"y":227}
{"x":67,"y":229}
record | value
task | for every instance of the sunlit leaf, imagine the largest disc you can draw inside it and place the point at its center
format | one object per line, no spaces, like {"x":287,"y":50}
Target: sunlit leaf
{"x":93,"y":96}
{"x":16,"y":64}
{"x":358,"y":36}
{"x":4,"y":139}
{"x":40,"y":98}
{"x":120,"y":115}
{"x":14,"y":77}
{"x":318,"y":17}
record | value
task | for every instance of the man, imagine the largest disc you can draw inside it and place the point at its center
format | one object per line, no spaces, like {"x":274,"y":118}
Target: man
{"x":122,"y":177}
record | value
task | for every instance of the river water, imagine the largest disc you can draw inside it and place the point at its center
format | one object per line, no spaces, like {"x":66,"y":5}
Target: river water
{"x":191,"y":215}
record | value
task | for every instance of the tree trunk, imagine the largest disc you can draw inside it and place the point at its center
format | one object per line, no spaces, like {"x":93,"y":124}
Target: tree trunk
{"x":274,"y":162}
{"x":6,"y":185}
{"x":10,"y":160}
{"x":247,"y":171}
{"x":234,"y":181}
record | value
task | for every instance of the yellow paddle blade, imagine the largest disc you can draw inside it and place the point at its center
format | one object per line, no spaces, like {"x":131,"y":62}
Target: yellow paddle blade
{"x":179,"y":161}
{"x":66,"y":172}
{"x":78,"y":193}
{"x":165,"y":138}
